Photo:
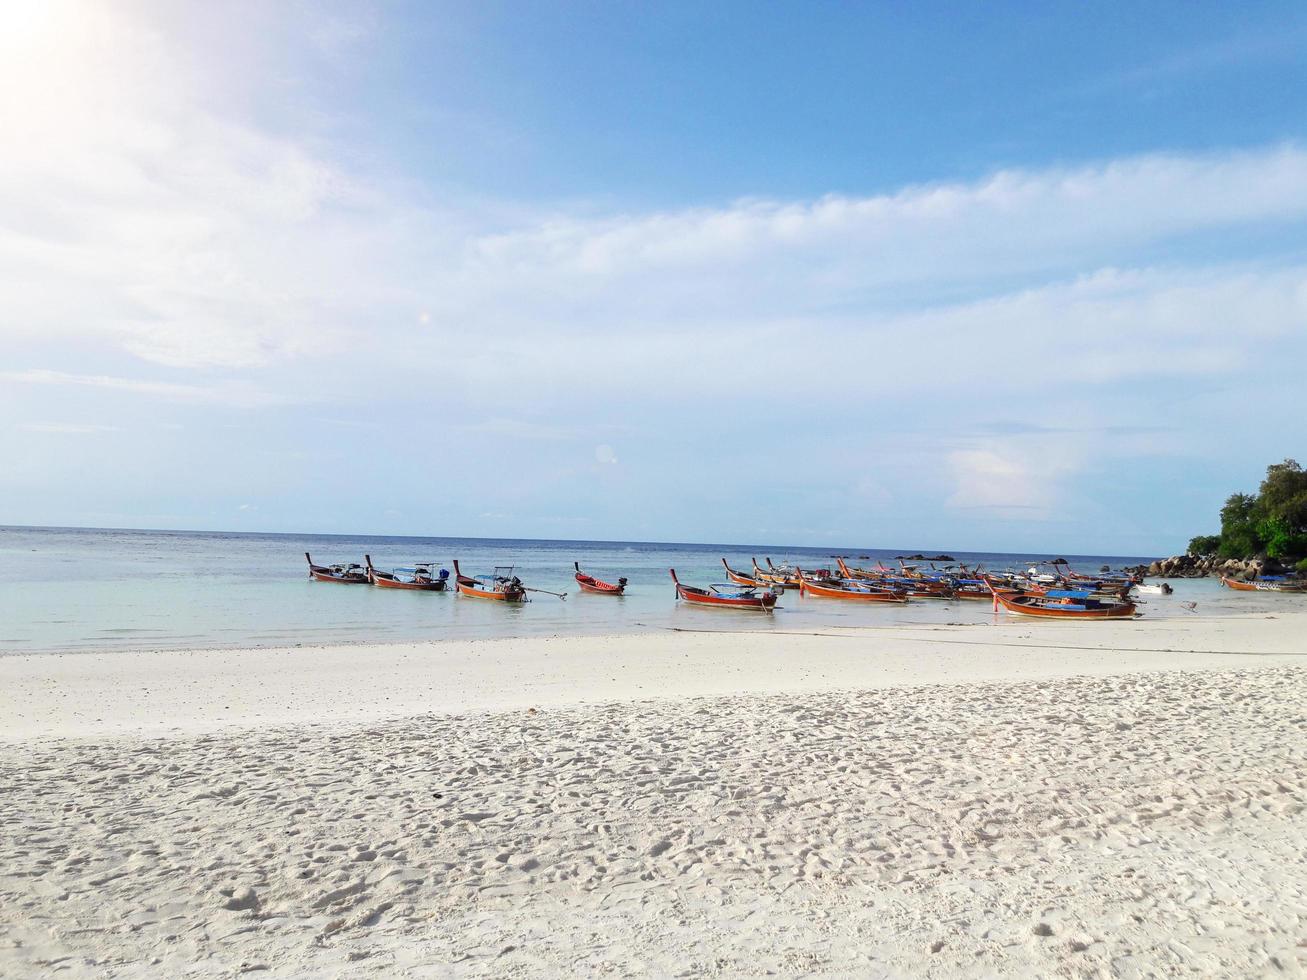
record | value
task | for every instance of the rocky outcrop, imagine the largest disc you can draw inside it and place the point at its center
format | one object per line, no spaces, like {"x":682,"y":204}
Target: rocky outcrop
{"x":1195,"y":566}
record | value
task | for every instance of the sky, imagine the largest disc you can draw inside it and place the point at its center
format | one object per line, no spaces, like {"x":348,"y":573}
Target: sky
{"x":1021,"y":277}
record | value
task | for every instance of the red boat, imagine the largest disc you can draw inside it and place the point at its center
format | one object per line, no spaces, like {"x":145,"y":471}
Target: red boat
{"x":503,"y":585}
{"x":344,"y":574}
{"x":725,"y":596}
{"x":1059,"y":604}
{"x":422,"y":577}
{"x":739,"y":578}
{"x":589,"y":583}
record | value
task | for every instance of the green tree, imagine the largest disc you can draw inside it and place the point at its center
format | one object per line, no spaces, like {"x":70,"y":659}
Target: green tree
{"x":1281,"y":511}
{"x":1239,"y":537}
{"x":1204,"y":544}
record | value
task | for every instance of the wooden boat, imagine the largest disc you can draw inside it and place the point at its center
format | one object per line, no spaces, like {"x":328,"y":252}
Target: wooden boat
{"x":739,"y":578}
{"x":914,"y":586}
{"x":344,"y":574}
{"x":848,"y":589}
{"x":1061,"y":604}
{"x":792,"y":574}
{"x":1268,"y":584}
{"x":589,"y":583}
{"x":777,"y":579}
{"x":725,"y":596}
{"x":422,"y":577}
{"x":503,"y":585}
{"x":971,"y":588}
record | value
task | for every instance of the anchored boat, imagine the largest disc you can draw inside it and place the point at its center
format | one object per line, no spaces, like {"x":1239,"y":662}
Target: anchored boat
{"x":589,"y":583}
{"x":725,"y":596}
{"x":739,"y":578}
{"x":503,"y":586}
{"x":351,"y":574}
{"x":848,"y":589}
{"x":1267,"y":583}
{"x":423,"y":576}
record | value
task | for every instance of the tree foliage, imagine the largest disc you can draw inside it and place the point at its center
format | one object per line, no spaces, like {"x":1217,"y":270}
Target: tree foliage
{"x":1273,"y":521}
{"x":1204,"y":544}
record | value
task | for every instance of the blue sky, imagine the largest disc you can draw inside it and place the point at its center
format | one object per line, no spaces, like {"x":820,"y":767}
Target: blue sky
{"x":1025,"y":277}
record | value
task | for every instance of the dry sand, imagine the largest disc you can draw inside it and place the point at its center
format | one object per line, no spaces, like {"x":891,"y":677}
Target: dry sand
{"x":1023,"y":799}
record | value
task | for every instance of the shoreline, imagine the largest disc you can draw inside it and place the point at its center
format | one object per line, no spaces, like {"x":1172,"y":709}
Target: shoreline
{"x":175,"y":693}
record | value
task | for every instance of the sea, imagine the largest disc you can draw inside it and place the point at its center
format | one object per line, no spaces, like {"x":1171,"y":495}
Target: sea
{"x":89,"y":590}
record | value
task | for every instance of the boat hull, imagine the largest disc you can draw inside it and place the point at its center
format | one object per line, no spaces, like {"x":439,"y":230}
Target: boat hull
{"x":1023,"y":606}
{"x":739,"y":578}
{"x":589,"y":584}
{"x":702,"y":597}
{"x":383,"y":582}
{"x":328,"y":576}
{"x":1238,"y":586}
{"x":325,"y":573}
{"x":828,"y":592}
{"x":762,"y":602}
{"x":476,"y":592}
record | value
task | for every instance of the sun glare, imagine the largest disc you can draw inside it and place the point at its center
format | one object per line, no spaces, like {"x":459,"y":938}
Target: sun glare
{"x":28,"y":23}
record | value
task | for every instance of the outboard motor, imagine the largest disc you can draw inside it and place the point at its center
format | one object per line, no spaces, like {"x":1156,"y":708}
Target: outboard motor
{"x":621,"y":582}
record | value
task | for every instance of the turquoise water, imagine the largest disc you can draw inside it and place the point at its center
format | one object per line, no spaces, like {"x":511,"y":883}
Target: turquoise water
{"x":88,"y":590}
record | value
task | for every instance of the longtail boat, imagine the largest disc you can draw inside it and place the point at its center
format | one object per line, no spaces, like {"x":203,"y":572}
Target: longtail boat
{"x":848,"y":589}
{"x":971,"y":588}
{"x":423,"y":576}
{"x":589,"y":583}
{"x":725,"y":596}
{"x":777,"y":578}
{"x":915,"y":586}
{"x":1063,"y":604}
{"x":503,"y":585}
{"x":351,"y":574}
{"x":739,"y":578}
{"x":1268,"y":583}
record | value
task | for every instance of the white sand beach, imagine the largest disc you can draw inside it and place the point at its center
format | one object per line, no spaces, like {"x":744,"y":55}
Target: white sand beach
{"x":1018,"y":799}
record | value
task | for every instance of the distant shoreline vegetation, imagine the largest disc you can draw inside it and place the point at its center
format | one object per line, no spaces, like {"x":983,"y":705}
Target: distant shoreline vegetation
{"x":1271,"y":522}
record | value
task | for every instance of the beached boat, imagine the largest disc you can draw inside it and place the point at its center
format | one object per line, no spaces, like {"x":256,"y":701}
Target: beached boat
{"x":725,"y":596}
{"x":503,"y":585}
{"x":1268,"y":583}
{"x":851,"y":589}
{"x":589,"y":583}
{"x":351,"y":574}
{"x":739,"y":578}
{"x":1064,"y":604}
{"x":423,"y":576}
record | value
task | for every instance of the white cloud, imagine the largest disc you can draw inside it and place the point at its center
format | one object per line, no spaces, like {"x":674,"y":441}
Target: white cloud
{"x":67,"y":428}
{"x":237,"y":393}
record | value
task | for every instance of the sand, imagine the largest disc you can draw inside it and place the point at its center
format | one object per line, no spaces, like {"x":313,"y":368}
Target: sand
{"x":1022,"y":799}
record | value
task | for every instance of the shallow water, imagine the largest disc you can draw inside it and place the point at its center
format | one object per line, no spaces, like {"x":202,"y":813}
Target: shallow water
{"x":87,"y":590}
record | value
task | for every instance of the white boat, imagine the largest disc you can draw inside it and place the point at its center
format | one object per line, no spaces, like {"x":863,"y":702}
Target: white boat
{"x":1160,"y":589}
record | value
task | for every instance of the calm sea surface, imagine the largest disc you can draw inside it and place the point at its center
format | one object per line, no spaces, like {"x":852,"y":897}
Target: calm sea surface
{"x":87,"y":590}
